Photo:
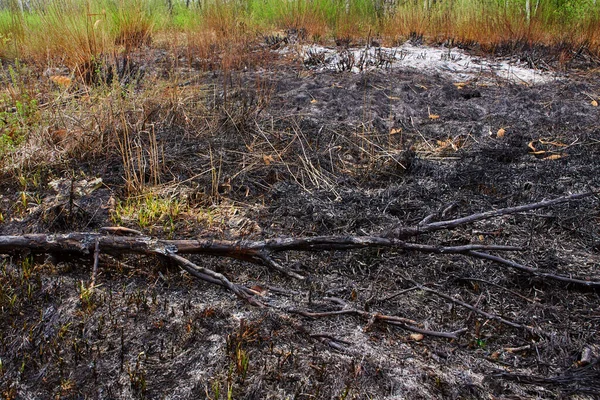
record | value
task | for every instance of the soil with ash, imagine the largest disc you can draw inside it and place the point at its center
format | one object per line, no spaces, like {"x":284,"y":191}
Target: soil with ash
{"x":297,"y":152}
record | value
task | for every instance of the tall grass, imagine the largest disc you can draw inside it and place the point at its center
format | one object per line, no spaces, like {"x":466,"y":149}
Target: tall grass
{"x":76,"y":31}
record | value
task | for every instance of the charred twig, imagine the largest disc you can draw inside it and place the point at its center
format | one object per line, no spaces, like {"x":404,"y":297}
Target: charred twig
{"x":260,"y":252}
{"x":330,"y":337}
{"x":476,"y":310}
{"x":120,"y":231}
{"x":405,"y":323}
{"x":251,"y":251}
{"x":95,"y":267}
{"x":581,"y":380}
{"x":332,"y":342}
{"x":499,"y":287}
{"x":443,"y":213}
{"x":393,"y":296}
{"x":213,"y":277}
{"x":447,"y":335}
{"x":535,"y":271}
{"x":268,"y":261}
{"x":402,"y":232}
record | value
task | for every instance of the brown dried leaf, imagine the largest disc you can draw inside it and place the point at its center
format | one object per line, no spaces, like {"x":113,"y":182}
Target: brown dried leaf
{"x":433,"y":116}
{"x":594,"y":103}
{"x":417,"y":337}
{"x":557,"y":144}
{"x":60,"y":80}
{"x":268,"y":159}
{"x":500,"y":133}
{"x":554,"y":157}
{"x":395,"y":131}
{"x":259,"y":290}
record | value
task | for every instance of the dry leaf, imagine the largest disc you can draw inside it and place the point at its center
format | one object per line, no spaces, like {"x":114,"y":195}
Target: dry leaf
{"x":313,"y":101}
{"x":432,"y":116}
{"x":395,"y":131}
{"x":58,"y":135}
{"x":460,"y":85}
{"x":553,"y":157}
{"x":60,"y":80}
{"x":258,"y":290}
{"x":417,"y":337}
{"x":557,"y":144}
{"x":594,"y":103}
{"x":268,"y":159}
{"x":495,"y":355}
{"x":500,"y":133}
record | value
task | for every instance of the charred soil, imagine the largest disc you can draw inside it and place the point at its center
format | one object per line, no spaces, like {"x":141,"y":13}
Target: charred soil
{"x":285,"y":150}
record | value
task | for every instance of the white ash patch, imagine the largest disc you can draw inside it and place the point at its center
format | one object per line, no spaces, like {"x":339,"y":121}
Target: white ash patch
{"x":452,"y":62}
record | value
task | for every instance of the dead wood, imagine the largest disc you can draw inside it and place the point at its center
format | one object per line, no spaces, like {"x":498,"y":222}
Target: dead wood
{"x":259,"y":252}
{"x":405,"y":323}
{"x":584,"y":380}
{"x":535,"y":271}
{"x":405,"y":232}
{"x":485,"y":314}
{"x":111,"y":242}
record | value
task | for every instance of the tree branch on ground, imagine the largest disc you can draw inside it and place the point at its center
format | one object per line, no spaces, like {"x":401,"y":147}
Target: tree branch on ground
{"x":112,"y":242}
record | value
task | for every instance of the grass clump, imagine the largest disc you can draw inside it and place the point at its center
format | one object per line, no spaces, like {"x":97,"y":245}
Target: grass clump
{"x":148,"y":211}
{"x":19,"y":110}
{"x":90,"y":36}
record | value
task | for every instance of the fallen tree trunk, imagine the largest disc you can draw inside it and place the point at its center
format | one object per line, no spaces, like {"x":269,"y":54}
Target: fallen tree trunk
{"x":261,"y":251}
{"x":112,"y":242}
{"x":254,"y":251}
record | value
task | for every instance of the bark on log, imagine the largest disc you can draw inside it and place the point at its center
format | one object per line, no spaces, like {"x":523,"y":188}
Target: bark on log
{"x":260,"y":251}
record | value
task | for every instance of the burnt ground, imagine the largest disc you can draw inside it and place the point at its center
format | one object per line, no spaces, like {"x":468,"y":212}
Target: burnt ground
{"x":292,"y":152}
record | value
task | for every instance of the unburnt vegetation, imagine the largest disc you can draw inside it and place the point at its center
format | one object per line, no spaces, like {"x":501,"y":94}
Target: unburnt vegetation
{"x":192,"y":207}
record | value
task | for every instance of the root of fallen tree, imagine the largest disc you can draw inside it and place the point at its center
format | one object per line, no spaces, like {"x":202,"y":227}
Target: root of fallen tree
{"x":112,"y":242}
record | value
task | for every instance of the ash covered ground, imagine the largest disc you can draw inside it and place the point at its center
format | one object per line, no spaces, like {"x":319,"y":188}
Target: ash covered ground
{"x":302,"y":150}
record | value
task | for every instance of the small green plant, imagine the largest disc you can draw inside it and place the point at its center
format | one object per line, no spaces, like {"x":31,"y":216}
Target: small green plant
{"x":86,"y":296}
{"x":149,"y":210}
{"x":26,"y":269}
{"x":216,"y":389}
{"x":242,"y":360}
{"x":63,"y":331}
{"x":17,"y":117}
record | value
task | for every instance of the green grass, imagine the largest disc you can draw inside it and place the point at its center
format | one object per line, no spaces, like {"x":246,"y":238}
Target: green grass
{"x":19,"y":110}
{"x":148,"y":211}
{"x":78,"y":30}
